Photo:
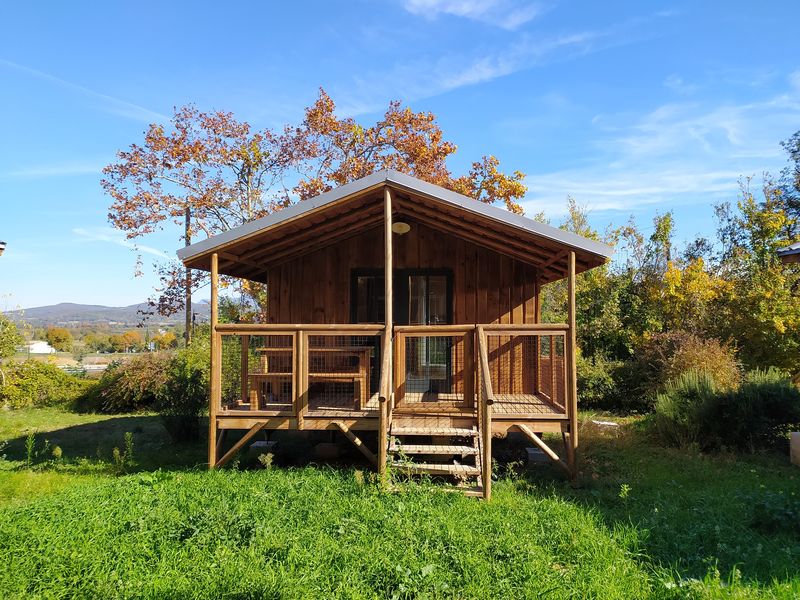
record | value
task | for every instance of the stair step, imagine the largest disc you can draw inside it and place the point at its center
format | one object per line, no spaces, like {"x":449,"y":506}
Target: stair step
{"x":432,"y":449}
{"x":436,"y":431}
{"x":437,"y":469}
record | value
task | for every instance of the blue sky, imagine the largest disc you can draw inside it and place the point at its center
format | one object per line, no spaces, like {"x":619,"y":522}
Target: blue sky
{"x":631,"y":107}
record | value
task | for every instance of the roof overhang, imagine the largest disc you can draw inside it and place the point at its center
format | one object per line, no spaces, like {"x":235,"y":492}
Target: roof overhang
{"x":790,"y":254}
{"x":250,"y":250}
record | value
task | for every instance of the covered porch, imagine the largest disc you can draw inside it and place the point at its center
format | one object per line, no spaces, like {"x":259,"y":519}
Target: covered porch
{"x":399,"y":307}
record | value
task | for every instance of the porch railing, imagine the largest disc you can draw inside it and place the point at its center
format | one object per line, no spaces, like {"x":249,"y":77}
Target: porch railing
{"x":302,"y":370}
{"x":297,"y":370}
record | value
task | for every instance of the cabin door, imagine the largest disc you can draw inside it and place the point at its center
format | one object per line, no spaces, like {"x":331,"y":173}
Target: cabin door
{"x":421,"y":297}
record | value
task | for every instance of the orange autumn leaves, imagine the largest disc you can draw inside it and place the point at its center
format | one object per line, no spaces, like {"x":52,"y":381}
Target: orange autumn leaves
{"x":227,"y":173}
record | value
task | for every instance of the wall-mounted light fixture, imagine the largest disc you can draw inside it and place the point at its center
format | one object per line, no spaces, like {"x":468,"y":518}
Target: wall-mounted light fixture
{"x":401,"y":228}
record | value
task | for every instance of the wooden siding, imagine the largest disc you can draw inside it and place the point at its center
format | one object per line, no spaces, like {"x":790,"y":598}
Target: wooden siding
{"x":488,"y":287}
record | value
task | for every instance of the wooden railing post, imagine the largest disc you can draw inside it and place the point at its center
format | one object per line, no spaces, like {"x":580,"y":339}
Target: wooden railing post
{"x":388,"y":291}
{"x":572,"y":372}
{"x":384,"y":398}
{"x":469,"y":369}
{"x":215,"y":376}
{"x":301,"y":397}
{"x":487,"y":398}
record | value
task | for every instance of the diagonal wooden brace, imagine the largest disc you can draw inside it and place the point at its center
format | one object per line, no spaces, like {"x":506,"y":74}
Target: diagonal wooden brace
{"x":238,"y":445}
{"x":357,"y":442}
{"x":544,"y":447}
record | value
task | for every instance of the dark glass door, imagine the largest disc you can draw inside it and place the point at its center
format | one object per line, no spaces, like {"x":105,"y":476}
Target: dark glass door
{"x":421,"y":297}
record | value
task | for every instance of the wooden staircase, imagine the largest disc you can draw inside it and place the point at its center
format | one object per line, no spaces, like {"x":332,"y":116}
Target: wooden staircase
{"x":433,"y":446}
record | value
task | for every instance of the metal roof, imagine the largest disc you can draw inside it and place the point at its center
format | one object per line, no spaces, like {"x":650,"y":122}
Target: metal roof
{"x":400,"y":181}
{"x":790,"y":250}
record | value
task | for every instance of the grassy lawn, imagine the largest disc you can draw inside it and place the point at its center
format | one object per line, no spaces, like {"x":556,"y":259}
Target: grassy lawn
{"x":644,"y":522}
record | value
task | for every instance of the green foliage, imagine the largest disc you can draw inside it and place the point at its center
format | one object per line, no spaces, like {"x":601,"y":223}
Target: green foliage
{"x":596,"y":385}
{"x":774,"y":513}
{"x":59,"y":338}
{"x":34,"y":383}
{"x":10,"y":337}
{"x":184,"y":397}
{"x":123,"y":460}
{"x":131,"y":385}
{"x":758,"y":415}
{"x":682,"y":409}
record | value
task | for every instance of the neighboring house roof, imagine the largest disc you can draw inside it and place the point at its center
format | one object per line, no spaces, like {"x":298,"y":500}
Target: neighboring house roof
{"x":790,"y":253}
{"x":246,"y":237}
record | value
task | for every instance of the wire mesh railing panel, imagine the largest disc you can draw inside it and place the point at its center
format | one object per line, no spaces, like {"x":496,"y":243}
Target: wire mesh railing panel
{"x":527,"y":372}
{"x":343,"y":372}
{"x":435,"y":369}
{"x":258,"y":371}
{"x":271,"y":371}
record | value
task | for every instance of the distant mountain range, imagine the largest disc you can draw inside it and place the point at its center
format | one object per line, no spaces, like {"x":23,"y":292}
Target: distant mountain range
{"x":68,"y":313}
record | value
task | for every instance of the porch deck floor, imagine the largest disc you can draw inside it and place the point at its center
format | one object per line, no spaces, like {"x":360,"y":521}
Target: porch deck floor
{"x":525,"y":404}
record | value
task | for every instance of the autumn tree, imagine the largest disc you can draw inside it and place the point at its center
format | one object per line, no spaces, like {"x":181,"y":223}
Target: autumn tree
{"x":761,"y":311}
{"x":59,"y":338}
{"x":165,"y":341}
{"x":226,"y":173}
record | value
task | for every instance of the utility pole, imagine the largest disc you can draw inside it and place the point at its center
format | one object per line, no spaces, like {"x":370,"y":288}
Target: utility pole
{"x":187,"y":335}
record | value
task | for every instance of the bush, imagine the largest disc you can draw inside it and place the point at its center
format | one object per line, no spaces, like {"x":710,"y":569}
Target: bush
{"x":664,"y":357}
{"x":758,"y":415}
{"x":129,"y":386}
{"x":34,"y":383}
{"x":682,"y":408}
{"x":183,"y":398}
{"x":596,"y":381}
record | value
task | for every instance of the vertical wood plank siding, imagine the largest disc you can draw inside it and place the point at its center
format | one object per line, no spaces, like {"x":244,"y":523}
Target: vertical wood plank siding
{"x":488,"y":287}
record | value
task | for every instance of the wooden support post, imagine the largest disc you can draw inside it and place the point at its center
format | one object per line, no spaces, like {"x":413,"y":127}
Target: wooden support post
{"x":572,"y":372}
{"x":469,"y":369}
{"x":245,"y":339}
{"x":215,"y":383}
{"x":485,"y":415}
{"x":301,"y":398}
{"x":388,"y":277}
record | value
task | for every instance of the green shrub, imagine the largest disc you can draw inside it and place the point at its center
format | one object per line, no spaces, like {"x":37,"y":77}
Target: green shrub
{"x":682,"y":408}
{"x":596,"y":381}
{"x":183,"y":398}
{"x":34,"y":383}
{"x":759,"y":414}
{"x":131,"y":385}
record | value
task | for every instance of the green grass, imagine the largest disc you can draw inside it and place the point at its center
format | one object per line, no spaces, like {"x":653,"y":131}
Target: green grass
{"x":644,"y":522}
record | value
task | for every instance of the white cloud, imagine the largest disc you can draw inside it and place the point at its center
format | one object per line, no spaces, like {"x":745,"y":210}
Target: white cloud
{"x":116,"y":237}
{"x":104,"y":102}
{"x":508,"y":14}
{"x":677,"y":153}
{"x":426,"y":78}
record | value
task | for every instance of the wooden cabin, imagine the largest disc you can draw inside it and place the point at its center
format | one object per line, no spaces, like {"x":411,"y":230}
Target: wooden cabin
{"x":403,"y":308}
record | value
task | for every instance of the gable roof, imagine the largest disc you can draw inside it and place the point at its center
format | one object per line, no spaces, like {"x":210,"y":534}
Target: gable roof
{"x":358,"y":200}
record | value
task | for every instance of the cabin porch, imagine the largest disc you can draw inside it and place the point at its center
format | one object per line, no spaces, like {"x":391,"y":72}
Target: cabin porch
{"x":398,"y":307}
{"x":445,"y":393}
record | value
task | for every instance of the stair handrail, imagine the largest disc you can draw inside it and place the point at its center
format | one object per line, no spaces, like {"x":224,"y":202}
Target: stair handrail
{"x":485,"y":408}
